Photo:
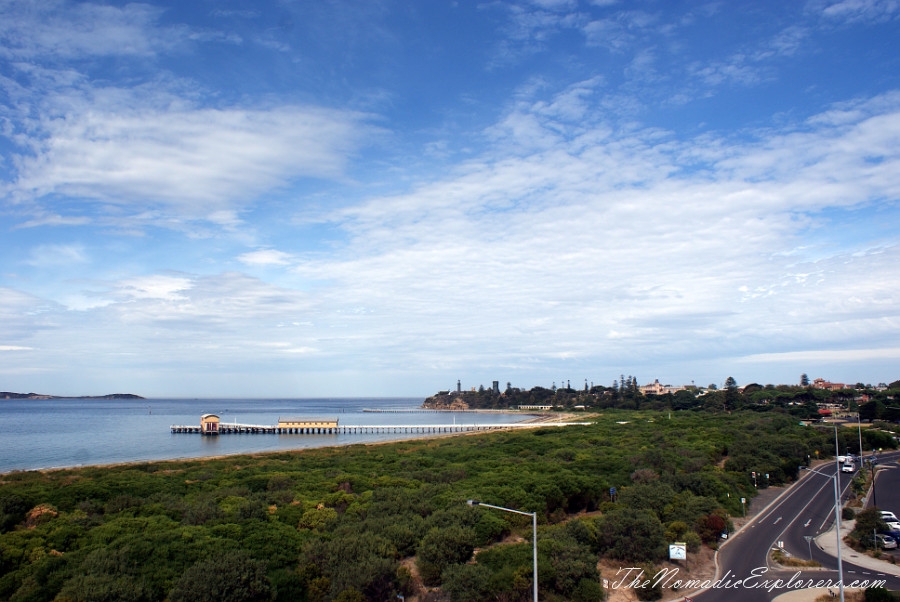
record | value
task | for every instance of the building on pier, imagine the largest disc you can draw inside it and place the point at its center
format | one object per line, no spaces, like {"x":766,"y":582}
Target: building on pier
{"x":209,"y":424}
{"x":307,"y":425}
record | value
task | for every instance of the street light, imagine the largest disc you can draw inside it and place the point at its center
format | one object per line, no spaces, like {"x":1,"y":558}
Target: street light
{"x":533,"y":516}
{"x":837,"y":522}
{"x":859,"y":432}
{"x":837,"y":509}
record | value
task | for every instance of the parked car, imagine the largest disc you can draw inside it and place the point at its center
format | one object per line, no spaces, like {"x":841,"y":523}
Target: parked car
{"x":886,"y":542}
{"x":889,"y":516}
{"x":892,"y":525}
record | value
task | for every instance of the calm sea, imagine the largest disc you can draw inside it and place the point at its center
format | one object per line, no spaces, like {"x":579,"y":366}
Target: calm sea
{"x":56,"y":433}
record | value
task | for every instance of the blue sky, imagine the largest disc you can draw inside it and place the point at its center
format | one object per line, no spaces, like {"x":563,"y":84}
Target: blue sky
{"x":379,"y":198}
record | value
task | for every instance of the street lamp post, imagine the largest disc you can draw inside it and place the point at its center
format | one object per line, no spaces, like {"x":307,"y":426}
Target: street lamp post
{"x":533,"y":516}
{"x":837,"y":523}
{"x":859,"y":432}
{"x":837,"y":509}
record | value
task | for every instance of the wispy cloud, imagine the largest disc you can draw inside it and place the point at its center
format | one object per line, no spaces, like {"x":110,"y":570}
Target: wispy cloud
{"x":819,"y":356}
{"x":857,"y":11}
{"x":265,"y":257}
{"x":60,"y":30}
{"x":195,"y":162}
{"x":54,"y":220}
{"x":57,"y":255}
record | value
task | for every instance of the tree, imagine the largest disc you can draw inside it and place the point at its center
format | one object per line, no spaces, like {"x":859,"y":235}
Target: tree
{"x":872,"y":410}
{"x":804,"y":380}
{"x":867,"y":522}
{"x":732,"y":397}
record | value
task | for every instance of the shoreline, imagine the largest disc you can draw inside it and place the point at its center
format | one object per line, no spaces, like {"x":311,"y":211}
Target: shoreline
{"x":535,"y":421}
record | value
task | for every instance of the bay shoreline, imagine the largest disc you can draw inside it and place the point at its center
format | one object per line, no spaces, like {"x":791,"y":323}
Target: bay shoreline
{"x":537,"y":420}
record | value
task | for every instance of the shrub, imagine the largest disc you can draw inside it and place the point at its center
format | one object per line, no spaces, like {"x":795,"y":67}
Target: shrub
{"x":232,"y":577}
{"x":631,"y":535}
{"x":878,"y":594}
{"x":465,"y":582}
{"x":651,"y":588}
{"x":441,"y":548}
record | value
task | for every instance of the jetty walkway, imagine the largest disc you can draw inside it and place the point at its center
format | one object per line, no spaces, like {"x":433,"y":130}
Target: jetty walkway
{"x":361,"y":429}
{"x":438,"y":411}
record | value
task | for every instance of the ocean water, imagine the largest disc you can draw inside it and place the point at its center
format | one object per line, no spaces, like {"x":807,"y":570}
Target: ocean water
{"x":57,"y":433}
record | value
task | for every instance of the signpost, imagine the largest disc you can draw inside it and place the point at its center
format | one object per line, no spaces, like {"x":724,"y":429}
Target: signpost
{"x":678,"y":551}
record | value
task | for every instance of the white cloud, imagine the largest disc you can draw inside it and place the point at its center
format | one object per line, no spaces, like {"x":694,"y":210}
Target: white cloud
{"x":199,"y":163}
{"x":561,"y":252}
{"x":158,"y":286}
{"x":602,"y":249}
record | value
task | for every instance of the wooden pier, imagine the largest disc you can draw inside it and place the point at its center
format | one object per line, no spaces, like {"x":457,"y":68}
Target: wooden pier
{"x":366,"y":429}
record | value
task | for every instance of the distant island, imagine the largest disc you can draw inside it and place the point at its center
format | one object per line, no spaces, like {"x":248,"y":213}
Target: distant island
{"x":9,"y":395}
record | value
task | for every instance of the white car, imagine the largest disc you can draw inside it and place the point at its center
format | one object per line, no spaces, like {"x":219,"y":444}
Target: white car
{"x":886,"y":542}
{"x":848,"y":467}
{"x":888,"y":516}
{"x":892,"y":525}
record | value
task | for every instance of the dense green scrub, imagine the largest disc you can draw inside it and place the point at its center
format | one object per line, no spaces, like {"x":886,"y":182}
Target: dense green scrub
{"x":356,"y":523}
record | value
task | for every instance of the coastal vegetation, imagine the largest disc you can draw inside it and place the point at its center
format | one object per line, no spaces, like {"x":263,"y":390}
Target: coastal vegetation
{"x":370,"y":522}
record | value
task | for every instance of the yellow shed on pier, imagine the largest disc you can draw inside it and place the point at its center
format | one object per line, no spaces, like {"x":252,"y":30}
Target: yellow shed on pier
{"x":305,"y":422}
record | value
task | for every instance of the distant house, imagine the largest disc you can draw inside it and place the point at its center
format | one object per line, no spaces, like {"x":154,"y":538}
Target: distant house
{"x":655,"y":388}
{"x":821,"y":383}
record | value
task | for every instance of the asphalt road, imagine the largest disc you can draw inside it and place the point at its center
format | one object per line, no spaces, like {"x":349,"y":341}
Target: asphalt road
{"x":886,"y":493}
{"x":804,"y":510}
{"x":887,"y":486}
